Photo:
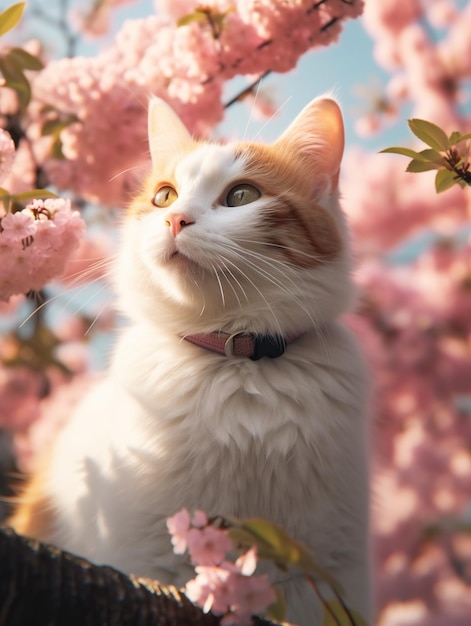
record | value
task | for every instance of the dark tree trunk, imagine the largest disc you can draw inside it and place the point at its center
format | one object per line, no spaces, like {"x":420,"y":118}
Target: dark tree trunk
{"x":42,"y":586}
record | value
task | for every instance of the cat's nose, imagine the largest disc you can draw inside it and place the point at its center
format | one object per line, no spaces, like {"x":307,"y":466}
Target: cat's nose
{"x":177,"y":222}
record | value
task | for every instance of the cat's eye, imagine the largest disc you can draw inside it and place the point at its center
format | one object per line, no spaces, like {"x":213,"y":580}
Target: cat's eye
{"x":165,"y":196}
{"x":241,"y":194}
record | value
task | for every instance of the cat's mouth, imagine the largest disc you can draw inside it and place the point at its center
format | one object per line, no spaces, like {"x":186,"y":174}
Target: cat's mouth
{"x":176,"y":258}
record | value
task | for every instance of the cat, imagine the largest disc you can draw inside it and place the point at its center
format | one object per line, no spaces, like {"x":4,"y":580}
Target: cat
{"x":235,"y":389}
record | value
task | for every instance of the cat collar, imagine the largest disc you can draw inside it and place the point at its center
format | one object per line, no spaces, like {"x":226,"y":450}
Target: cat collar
{"x":240,"y":344}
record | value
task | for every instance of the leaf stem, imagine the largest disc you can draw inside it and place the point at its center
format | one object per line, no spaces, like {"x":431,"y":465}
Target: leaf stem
{"x":324,"y":603}
{"x":345,"y":608}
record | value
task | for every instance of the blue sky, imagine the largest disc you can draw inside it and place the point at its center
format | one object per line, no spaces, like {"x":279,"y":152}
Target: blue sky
{"x":339,"y":68}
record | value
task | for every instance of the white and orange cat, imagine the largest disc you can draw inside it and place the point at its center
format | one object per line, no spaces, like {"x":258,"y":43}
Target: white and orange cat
{"x":235,"y":389}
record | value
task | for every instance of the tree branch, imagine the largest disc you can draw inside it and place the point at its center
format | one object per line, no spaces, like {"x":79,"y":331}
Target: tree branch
{"x":42,"y":586}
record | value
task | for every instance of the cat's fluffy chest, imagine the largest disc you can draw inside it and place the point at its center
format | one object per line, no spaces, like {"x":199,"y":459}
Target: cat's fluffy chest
{"x":233,"y":437}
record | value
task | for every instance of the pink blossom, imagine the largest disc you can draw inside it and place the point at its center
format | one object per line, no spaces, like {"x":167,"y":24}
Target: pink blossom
{"x":17,"y":226}
{"x":21,"y":176}
{"x":7,"y":153}
{"x":35,"y":244}
{"x":178,"y":526}
{"x":212,"y":589}
{"x":207,"y":546}
{"x":225,"y":591}
{"x":199,"y":519}
{"x":252,"y":595}
{"x":247,"y":562}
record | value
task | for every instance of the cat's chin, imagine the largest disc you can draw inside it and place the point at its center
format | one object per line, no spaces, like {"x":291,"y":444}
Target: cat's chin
{"x":176,"y":259}
{"x":184,"y":272}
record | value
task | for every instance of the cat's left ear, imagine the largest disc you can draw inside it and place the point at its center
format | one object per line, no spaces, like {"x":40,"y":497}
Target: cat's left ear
{"x":317,"y":137}
{"x":168,"y":136}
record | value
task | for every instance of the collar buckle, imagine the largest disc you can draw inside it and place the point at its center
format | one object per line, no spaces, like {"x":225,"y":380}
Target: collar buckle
{"x":229,"y":343}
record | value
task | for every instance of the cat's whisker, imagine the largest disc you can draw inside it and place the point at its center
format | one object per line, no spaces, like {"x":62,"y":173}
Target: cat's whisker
{"x":201,"y":291}
{"x":282,"y":268}
{"x":38,"y":308}
{"x":283,"y":271}
{"x":278,"y":246}
{"x":203,"y":305}
{"x":221,"y":290}
{"x":254,"y":102}
{"x":88,"y":300}
{"x":281,"y":286}
{"x":78,"y":289}
{"x":78,"y":285}
{"x":272,"y":117}
{"x":89,"y":275}
{"x":125,"y":171}
{"x":259,"y":291}
{"x":91,"y":269}
{"x":95,"y":320}
{"x":234,"y":278}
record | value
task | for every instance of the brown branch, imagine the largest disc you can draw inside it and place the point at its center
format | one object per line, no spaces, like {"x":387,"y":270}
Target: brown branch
{"x":42,"y":586}
{"x":248,"y":90}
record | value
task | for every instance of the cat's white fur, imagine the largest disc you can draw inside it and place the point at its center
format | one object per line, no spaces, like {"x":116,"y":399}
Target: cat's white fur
{"x":174,"y":425}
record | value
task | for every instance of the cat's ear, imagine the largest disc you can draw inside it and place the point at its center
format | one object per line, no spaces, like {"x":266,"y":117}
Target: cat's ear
{"x":168,"y":136}
{"x":317,"y":137}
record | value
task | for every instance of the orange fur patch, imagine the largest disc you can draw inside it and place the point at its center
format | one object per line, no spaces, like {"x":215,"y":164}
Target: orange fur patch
{"x":163,"y":173}
{"x":34,"y":516}
{"x":142,"y":203}
{"x":304,"y":231}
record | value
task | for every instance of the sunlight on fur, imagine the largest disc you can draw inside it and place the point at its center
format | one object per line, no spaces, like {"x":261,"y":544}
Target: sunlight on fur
{"x":238,"y":239}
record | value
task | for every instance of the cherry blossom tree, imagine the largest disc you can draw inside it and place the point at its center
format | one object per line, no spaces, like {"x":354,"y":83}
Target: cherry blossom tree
{"x":75,"y":127}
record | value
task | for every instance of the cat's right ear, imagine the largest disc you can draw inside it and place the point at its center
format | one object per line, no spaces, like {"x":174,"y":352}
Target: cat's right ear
{"x":168,"y":136}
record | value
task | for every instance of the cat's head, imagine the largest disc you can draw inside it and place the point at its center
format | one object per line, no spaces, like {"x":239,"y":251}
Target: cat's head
{"x":241,"y":236}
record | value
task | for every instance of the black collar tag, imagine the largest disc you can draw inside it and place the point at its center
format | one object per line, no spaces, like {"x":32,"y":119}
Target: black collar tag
{"x":271,"y":346}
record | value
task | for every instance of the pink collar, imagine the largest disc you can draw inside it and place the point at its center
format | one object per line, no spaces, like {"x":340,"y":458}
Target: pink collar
{"x":241,"y":344}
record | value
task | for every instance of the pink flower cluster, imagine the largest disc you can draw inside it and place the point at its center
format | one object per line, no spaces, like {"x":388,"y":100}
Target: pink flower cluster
{"x":7,"y":153}
{"x":186,"y":65}
{"x":415,"y":325}
{"x":387,"y":206}
{"x":221,"y":586}
{"x":427,"y":66}
{"x":35,"y":244}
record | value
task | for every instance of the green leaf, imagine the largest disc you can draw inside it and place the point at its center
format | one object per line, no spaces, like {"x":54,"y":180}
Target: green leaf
{"x":56,"y":126}
{"x":464,"y":137}
{"x":342,"y":618}
{"x":10,"y":17}
{"x":33,"y":194}
{"x":25,"y":60}
{"x":432,"y":156}
{"x":275,"y":544}
{"x":56,"y":149}
{"x":404,"y":151}
{"x":276,"y":612}
{"x":421,"y":166}
{"x":196,"y":16}
{"x":429,"y":133}
{"x":16,"y":80}
{"x":454,"y":137}
{"x":4,"y":193}
{"x":444,"y":180}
